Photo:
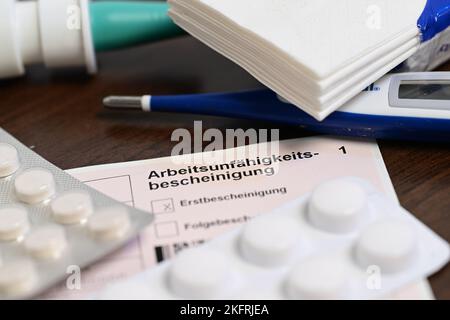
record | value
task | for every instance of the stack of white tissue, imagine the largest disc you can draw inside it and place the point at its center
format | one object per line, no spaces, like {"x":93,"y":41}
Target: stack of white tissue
{"x":317,"y":54}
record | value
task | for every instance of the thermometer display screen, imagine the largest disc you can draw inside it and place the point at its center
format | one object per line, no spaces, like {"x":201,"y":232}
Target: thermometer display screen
{"x":425,"y":90}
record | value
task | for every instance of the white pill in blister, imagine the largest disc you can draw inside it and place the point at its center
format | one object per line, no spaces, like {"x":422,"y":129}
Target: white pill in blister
{"x":199,"y":274}
{"x":268,"y":241}
{"x":72,"y":207}
{"x":46,"y":242}
{"x":13,"y":223}
{"x":34,"y":185}
{"x":109,"y":223}
{"x":387,"y":244}
{"x":18,"y":277}
{"x":317,"y":278}
{"x":337,"y":205}
{"x":9,"y":160}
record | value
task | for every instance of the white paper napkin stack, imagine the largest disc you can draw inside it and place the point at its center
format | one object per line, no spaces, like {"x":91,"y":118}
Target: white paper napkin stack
{"x":317,"y":54}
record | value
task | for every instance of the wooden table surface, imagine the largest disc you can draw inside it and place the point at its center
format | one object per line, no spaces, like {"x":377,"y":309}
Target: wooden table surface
{"x":60,"y":115}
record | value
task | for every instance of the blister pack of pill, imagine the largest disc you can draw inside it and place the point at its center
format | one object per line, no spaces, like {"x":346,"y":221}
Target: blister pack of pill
{"x":341,"y":241}
{"x":50,"y":222}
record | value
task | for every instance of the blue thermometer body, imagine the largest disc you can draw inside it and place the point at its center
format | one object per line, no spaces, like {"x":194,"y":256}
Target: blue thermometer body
{"x":410,"y":106}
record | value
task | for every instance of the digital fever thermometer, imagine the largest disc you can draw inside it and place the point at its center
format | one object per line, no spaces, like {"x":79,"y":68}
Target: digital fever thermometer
{"x":411,"y":106}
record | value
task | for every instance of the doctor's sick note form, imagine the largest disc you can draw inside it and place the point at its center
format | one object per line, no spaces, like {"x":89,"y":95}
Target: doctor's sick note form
{"x":197,"y":197}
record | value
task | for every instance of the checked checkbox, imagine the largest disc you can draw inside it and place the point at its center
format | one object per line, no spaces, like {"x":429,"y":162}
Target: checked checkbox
{"x":163,"y":206}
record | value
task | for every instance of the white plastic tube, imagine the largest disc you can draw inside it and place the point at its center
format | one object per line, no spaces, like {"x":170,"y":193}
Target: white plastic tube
{"x":54,"y":32}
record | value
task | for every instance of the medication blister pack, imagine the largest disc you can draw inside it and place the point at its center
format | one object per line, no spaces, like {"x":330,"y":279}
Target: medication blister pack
{"x":341,"y":241}
{"x":50,"y":222}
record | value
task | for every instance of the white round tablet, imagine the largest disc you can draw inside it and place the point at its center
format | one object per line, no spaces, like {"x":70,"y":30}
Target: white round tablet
{"x":109,"y":223}
{"x":199,"y":274}
{"x":72,"y":207}
{"x":337,"y":206}
{"x":268,"y":241}
{"x":13,"y":223}
{"x":317,"y":278}
{"x":9,"y":160}
{"x":17,"y":278}
{"x":34,"y":185}
{"x":387,"y":244}
{"x":46,"y":242}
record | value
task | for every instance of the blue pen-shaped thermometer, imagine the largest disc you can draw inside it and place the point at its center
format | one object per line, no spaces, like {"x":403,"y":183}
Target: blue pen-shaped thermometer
{"x":411,"y":106}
